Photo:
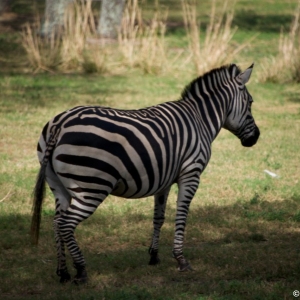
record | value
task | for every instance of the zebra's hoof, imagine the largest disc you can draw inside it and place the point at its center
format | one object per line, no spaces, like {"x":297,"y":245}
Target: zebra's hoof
{"x":65,"y":279}
{"x":154,"y":260}
{"x":81,"y":277}
{"x":184,"y":266}
{"x":64,"y":276}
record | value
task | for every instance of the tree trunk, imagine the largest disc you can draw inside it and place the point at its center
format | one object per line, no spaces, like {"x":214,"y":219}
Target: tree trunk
{"x":4,"y":7}
{"x":110,"y":18}
{"x":54,"y":16}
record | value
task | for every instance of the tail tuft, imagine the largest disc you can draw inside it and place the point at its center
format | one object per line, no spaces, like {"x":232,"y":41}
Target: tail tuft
{"x":38,"y":196}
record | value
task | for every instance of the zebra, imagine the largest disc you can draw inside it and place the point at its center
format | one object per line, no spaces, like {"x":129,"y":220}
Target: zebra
{"x":89,"y":152}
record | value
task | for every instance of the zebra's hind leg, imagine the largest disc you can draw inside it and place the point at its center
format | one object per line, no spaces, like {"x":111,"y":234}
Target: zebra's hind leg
{"x":160,"y":201}
{"x":62,"y":202}
{"x":78,"y":211}
{"x":61,"y":270}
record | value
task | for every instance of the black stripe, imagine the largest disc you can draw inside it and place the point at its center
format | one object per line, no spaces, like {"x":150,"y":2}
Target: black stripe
{"x":87,"y":179}
{"x":115,"y":148}
{"x":44,"y":132}
{"x":89,"y":162}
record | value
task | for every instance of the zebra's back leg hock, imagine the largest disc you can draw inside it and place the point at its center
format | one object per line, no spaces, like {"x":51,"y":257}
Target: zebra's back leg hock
{"x":160,"y":201}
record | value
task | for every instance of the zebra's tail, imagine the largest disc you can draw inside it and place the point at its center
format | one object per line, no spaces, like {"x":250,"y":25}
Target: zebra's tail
{"x":40,"y":189}
{"x":38,"y":196}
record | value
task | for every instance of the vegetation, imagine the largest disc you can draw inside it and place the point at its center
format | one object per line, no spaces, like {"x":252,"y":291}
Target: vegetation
{"x":242,"y":234}
{"x":285,"y":65}
{"x":141,"y":45}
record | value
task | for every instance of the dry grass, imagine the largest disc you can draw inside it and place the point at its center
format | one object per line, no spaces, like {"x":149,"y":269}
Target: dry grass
{"x":285,"y":67}
{"x":142,"y":45}
{"x":67,"y":49}
{"x":42,"y":53}
{"x":76,"y":46}
{"x":79,"y":25}
{"x":216,"y":48}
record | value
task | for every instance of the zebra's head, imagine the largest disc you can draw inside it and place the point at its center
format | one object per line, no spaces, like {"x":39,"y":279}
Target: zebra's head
{"x":239,"y":118}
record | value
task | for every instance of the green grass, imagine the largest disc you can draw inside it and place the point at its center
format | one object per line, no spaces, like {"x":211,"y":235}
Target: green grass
{"x":242,"y":236}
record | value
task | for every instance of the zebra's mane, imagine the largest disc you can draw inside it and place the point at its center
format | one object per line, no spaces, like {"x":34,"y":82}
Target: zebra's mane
{"x":231,"y":70}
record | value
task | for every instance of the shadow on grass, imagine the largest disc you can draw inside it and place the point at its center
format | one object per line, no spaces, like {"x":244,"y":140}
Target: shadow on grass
{"x":245,"y":249}
{"x":247,"y":20}
{"x":293,"y":96}
{"x":251,"y":20}
{"x":23,"y":91}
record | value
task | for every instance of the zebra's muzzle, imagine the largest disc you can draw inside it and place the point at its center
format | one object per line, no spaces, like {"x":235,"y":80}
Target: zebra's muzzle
{"x":251,"y":140}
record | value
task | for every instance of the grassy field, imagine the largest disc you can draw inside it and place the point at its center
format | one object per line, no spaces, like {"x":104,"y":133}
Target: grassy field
{"x":242,"y":237}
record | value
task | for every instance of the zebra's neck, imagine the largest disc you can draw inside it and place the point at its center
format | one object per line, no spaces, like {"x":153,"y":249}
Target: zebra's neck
{"x":211,"y":94}
{"x":210,"y":112}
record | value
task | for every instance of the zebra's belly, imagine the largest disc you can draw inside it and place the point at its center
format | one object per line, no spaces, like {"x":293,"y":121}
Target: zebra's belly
{"x":130,"y":172}
{"x":129,"y":189}
{"x":90,"y":177}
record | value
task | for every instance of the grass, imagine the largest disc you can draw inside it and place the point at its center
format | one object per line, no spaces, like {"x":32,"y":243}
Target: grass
{"x":247,"y":218}
{"x":242,"y":235}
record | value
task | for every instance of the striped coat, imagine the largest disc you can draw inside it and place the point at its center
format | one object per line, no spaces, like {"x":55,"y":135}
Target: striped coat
{"x":89,"y":152}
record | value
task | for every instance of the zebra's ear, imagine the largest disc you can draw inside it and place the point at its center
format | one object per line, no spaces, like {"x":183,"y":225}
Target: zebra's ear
{"x":245,"y":76}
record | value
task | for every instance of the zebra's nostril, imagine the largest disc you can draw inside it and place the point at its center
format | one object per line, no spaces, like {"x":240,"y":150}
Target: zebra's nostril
{"x":251,"y":140}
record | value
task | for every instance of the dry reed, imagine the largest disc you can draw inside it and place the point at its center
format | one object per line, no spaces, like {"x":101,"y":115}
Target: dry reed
{"x":143,"y":45}
{"x":42,"y":53}
{"x":216,"y":48}
{"x":78,"y":26}
{"x":140,"y":44}
{"x":285,"y":67}
{"x":67,"y":49}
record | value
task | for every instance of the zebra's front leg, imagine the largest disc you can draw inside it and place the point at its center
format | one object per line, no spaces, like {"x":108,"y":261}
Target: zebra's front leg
{"x":187,"y":189}
{"x":160,"y":201}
